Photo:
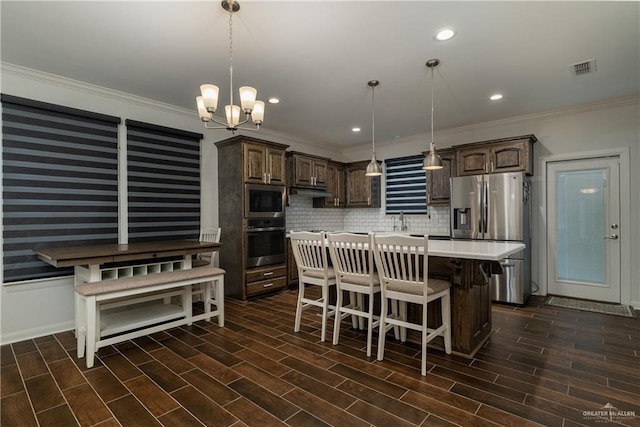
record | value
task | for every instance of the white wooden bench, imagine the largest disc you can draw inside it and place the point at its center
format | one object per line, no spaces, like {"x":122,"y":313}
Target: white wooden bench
{"x":112,"y":311}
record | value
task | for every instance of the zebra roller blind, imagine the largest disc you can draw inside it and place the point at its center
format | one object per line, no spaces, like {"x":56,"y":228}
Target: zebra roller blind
{"x":163,"y":170}
{"x":406,"y":184}
{"x":60,"y":183}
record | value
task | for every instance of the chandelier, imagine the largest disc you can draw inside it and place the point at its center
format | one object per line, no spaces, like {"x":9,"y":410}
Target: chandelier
{"x":373,"y":168}
{"x":432,"y":161}
{"x":207,"y":102}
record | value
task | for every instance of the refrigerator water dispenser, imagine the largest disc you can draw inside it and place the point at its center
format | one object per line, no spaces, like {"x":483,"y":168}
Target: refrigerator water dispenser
{"x":461,"y":220}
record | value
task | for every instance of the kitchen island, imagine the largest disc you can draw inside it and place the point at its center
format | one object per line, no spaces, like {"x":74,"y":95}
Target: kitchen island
{"x":468,"y":265}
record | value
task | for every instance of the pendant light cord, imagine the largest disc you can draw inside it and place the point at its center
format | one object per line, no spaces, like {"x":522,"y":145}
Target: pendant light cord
{"x":231,"y":60}
{"x":432,"y":90}
{"x":373,"y":118}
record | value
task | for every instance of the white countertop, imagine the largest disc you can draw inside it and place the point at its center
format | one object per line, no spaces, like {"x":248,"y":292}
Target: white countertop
{"x":473,"y":249}
{"x":470,"y":249}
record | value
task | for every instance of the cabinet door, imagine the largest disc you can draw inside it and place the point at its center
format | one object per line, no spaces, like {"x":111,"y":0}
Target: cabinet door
{"x":320,"y":173}
{"x":438,"y":186}
{"x":276,"y":169}
{"x":339,"y":190}
{"x":303,"y":167}
{"x":472,"y":161}
{"x":254,"y":163}
{"x":335,"y":186}
{"x":510,"y":157}
{"x":358,"y":188}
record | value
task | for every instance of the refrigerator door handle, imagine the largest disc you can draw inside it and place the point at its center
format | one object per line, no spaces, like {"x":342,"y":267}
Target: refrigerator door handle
{"x":485,"y":207}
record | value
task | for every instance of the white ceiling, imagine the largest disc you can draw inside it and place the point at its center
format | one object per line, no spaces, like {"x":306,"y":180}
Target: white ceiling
{"x":317,"y":57}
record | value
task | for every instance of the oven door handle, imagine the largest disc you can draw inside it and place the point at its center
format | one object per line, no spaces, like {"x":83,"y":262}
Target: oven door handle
{"x":258,"y":230}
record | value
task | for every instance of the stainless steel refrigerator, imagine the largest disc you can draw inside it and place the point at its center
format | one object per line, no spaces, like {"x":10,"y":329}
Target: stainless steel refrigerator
{"x":496,"y":207}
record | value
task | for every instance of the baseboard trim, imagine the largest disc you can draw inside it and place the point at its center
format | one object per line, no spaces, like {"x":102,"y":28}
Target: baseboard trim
{"x":36,"y":332}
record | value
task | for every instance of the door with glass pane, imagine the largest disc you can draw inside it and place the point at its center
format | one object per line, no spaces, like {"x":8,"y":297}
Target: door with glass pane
{"x":583,"y":212}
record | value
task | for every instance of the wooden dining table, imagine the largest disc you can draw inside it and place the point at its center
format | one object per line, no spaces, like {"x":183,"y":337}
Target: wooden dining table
{"x":89,"y":260}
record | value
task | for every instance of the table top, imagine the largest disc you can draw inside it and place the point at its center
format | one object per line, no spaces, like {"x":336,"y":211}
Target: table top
{"x":70,"y":256}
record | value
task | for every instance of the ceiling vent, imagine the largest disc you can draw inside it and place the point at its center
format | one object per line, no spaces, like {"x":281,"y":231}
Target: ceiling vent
{"x":585,"y":67}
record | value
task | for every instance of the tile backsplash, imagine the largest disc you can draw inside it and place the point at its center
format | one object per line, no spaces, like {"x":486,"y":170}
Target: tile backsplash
{"x":302,"y":216}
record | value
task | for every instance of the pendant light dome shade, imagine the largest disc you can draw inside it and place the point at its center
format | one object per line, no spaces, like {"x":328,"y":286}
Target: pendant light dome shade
{"x":432,"y":161}
{"x":373,"y":168}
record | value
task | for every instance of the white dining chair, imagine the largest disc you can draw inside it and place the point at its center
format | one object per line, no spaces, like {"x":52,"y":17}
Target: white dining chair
{"x":211,"y":293}
{"x":355,"y":273}
{"x":208,"y":235}
{"x":402,"y":263}
{"x":310,"y":253}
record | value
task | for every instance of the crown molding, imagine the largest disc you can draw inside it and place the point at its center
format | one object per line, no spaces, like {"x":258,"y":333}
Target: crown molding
{"x":561,"y":112}
{"x":67,"y":83}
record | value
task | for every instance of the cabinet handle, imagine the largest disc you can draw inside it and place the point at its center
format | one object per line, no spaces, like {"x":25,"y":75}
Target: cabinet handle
{"x":268,"y":285}
{"x":270,"y":273}
{"x":492,"y":168}
{"x":269,"y":178}
{"x":264,"y":177}
{"x":368,"y":200}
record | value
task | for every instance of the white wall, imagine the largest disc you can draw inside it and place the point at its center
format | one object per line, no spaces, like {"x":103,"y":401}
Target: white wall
{"x":44,"y":307}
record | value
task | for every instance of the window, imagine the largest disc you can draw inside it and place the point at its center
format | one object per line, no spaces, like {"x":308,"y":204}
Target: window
{"x":163,"y":169}
{"x":406,"y":184}
{"x":60,"y":182}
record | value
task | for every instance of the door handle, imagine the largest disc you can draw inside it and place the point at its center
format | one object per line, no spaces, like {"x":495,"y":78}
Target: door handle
{"x":612,"y":237}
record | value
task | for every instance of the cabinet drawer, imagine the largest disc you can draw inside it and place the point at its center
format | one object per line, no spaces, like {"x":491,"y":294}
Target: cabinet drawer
{"x":266,"y":285}
{"x":265,"y":274}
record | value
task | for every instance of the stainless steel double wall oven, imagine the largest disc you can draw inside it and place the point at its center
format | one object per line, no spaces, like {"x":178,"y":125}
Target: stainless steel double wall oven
{"x":265,"y":224}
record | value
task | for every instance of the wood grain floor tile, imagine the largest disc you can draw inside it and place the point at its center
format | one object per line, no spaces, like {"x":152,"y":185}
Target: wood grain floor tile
{"x":106,"y":384}
{"x":261,"y":377}
{"x":251,"y":414}
{"x":541,"y":366}
{"x":130,"y":412}
{"x":322,"y":410}
{"x":66,"y":374}
{"x":319,"y":389}
{"x":162,"y":376}
{"x":214,"y":368}
{"x":52,"y":350}
{"x":86,"y":405}
{"x":151,"y":396}
{"x":26,"y":346}
{"x":31,"y":364}
{"x":179,"y":418}
{"x":210,"y":387}
{"x":15,"y":410}
{"x":204,"y":409}
{"x":43,"y":392}
{"x":262,"y":397}
{"x":171,"y":360}
{"x":58,"y":416}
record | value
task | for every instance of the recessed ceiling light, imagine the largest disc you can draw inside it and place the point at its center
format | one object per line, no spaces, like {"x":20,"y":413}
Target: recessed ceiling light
{"x":444,"y":34}
{"x":495,"y":97}
{"x":356,"y":129}
{"x":274,"y":101}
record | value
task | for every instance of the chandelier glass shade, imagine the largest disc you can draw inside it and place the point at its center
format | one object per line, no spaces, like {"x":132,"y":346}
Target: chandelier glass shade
{"x":373,"y":168}
{"x":207,"y":102}
{"x":432,"y":161}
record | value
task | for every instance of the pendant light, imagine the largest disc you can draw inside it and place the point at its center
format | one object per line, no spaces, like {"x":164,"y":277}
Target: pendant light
{"x":432,"y":161}
{"x":373,"y":168}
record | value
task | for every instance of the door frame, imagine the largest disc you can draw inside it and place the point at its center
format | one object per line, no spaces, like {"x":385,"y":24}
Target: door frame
{"x":625,"y":216}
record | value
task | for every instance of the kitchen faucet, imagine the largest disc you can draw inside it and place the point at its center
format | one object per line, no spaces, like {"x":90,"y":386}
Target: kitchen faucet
{"x":403,"y":226}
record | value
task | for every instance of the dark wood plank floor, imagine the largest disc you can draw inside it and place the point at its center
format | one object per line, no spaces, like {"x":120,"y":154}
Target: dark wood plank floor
{"x":542,"y":366}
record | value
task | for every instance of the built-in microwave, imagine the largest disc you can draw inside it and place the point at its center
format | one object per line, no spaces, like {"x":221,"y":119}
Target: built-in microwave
{"x":264,"y":201}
